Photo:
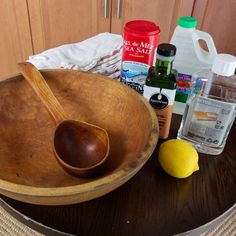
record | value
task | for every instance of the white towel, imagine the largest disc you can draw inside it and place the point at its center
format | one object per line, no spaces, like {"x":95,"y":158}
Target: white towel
{"x":116,"y":55}
{"x":81,"y":56}
{"x":107,"y":68}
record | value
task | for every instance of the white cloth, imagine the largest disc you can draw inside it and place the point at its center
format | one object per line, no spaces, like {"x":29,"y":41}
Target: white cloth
{"x":108,"y":67}
{"x":100,"y":52}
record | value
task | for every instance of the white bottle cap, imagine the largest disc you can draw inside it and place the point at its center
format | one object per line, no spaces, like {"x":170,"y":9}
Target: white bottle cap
{"x":224,"y":64}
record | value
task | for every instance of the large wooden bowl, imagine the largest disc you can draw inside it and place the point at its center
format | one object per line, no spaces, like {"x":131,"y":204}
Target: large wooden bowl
{"x":29,"y":171}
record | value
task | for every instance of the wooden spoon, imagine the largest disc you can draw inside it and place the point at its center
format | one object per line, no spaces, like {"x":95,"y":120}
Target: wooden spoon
{"x":81,"y":148}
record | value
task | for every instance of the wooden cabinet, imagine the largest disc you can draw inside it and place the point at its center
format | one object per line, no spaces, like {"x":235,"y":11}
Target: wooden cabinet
{"x":57,"y":22}
{"x":164,"y":13}
{"x":32,"y":26}
{"x":218,"y":19}
{"x":214,"y":16}
{"x":15,"y":38}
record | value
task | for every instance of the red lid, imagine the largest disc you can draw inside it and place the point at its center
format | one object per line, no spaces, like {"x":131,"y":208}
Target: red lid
{"x":143,"y":27}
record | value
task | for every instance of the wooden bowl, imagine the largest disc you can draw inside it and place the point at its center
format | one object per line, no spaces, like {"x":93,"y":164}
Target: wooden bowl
{"x":29,"y":171}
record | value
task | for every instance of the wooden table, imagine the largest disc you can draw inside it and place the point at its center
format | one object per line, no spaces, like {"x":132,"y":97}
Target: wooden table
{"x":151,"y":203}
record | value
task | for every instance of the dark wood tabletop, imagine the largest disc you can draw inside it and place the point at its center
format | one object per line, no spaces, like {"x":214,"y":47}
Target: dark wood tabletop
{"x":151,"y":203}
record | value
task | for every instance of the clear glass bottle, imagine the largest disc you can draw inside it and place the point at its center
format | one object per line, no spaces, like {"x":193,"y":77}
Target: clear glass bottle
{"x":210,"y":108}
{"x":160,"y":87}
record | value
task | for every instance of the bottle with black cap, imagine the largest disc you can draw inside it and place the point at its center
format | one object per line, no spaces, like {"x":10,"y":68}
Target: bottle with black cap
{"x":160,"y":87}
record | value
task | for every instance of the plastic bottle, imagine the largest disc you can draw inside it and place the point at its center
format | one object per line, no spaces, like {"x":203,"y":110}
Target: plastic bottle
{"x":160,"y":85}
{"x":190,"y":57}
{"x":210,"y":108}
{"x":141,"y":38}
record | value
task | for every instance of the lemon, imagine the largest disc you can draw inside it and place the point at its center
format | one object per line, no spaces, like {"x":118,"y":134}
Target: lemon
{"x":178,"y":158}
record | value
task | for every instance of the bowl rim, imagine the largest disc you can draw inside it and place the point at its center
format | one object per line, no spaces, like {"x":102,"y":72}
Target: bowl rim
{"x":98,"y":183}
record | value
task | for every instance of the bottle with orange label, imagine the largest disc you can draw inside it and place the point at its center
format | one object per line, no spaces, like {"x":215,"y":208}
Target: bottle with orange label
{"x":160,"y":87}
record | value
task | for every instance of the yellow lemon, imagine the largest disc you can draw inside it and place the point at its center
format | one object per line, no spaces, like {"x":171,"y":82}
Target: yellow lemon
{"x":178,"y":158}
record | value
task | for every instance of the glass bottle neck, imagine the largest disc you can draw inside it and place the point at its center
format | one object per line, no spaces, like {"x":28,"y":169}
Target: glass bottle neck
{"x":163,"y":67}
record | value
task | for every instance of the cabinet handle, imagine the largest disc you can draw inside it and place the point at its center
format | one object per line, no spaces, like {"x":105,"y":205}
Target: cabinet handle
{"x":105,"y":8}
{"x":118,"y":9}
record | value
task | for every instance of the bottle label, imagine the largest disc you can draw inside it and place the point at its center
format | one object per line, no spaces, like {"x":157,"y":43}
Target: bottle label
{"x":162,"y":100}
{"x":134,"y":74}
{"x":208,"y":120}
{"x":183,"y":87}
{"x":200,"y":86}
{"x":139,"y":48}
{"x":137,"y":57}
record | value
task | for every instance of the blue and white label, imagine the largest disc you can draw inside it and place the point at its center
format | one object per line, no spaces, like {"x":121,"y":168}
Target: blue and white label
{"x":134,"y":74}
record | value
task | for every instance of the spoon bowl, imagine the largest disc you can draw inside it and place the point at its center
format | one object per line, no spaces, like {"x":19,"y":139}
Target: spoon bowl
{"x":80,"y":148}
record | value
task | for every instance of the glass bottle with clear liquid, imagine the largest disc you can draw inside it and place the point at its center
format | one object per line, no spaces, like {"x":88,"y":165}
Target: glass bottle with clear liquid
{"x":211,"y":107}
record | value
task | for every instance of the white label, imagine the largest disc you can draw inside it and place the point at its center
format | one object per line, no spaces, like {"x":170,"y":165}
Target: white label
{"x":164,"y":96}
{"x":208,"y":120}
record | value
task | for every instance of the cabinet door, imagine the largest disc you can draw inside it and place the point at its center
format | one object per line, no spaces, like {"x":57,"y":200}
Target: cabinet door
{"x":218,"y":18}
{"x":164,"y":13}
{"x":57,"y":22}
{"x":15,"y":39}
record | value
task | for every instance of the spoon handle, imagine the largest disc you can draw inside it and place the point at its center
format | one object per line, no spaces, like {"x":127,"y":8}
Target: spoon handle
{"x":38,"y":83}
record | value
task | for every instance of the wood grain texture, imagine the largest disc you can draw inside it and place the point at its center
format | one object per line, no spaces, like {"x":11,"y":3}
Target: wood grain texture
{"x":15,"y":39}
{"x":151,"y":203}
{"x":217,"y":18}
{"x":28,"y":169}
{"x":163,"y":13}
{"x":80,"y":148}
{"x":41,"y":88}
{"x":57,"y":22}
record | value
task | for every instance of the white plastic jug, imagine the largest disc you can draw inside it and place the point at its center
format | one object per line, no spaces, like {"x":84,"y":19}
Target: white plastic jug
{"x":190,"y":57}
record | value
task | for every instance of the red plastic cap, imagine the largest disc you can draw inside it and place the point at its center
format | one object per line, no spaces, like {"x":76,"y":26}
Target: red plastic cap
{"x":143,"y":27}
